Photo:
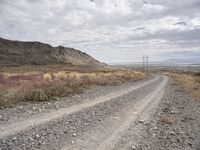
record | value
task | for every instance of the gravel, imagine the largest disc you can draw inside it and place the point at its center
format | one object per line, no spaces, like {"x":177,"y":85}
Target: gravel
{"x":175,"y":124}
{"x":65,"y":131}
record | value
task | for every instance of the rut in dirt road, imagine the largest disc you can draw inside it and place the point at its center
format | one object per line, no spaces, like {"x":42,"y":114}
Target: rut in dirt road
{"x":45,"y":118}
{"x":132,"y":116}
{"x":113,"y":134}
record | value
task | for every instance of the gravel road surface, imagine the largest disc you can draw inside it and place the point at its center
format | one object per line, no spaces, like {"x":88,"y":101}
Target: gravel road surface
{"x":149,"y":114}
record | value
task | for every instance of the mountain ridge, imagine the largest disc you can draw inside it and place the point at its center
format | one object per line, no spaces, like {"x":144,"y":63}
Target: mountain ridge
{"x":15,"y":53}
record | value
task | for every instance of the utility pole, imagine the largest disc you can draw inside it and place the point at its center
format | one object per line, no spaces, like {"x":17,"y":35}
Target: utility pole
{"x":189,"y":68}
{"x":145,"y":63}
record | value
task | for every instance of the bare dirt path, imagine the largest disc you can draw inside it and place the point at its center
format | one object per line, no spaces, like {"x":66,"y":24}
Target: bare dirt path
{"x":95,"y":124}
{"x":133,"y":115}
{"x":50,"y":116}
{"x":112,"y":135}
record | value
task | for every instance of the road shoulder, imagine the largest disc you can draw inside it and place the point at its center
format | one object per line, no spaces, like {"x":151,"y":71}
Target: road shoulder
{"x":176,"y":123}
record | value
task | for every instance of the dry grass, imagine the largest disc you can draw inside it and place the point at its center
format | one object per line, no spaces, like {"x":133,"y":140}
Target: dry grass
{"x":47,"y":77}
{"x":60,"y":75}
{"x":37,"y":86}
{"x":53,"y":68}
{"x":190,"y":82}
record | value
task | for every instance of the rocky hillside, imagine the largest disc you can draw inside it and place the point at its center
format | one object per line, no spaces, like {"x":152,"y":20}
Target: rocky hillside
{"x":15,"y":53}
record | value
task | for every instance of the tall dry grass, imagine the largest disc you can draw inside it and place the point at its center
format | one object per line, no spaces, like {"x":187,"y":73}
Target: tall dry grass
{"x":41,"y":87}
{"x":189,"y":82}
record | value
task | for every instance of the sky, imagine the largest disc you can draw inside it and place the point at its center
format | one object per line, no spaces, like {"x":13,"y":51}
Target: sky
{"x":109,"y":30}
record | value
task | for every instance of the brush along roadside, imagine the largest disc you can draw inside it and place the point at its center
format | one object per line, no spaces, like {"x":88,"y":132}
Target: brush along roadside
{"x":35,"y":86}
{"x":189,"y":82}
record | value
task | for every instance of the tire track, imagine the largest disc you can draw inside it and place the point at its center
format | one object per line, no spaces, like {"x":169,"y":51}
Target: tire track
{"x":133,"y":115}
{"x":111,"y":135}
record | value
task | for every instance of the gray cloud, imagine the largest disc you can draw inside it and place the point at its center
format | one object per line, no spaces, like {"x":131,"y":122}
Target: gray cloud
{"x":110,"y":30}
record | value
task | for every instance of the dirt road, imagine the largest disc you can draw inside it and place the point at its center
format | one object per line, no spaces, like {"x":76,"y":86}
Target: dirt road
{"x":102,"y":118}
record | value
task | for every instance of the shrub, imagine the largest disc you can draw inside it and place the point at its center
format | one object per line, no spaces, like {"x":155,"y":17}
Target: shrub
{"x":190,"y":83}
{"x":74,"y":75}
{"x":34,"y":86}
{"x":36,"y":95}
{"x":47,"y":77}
{"x":61,"y":75}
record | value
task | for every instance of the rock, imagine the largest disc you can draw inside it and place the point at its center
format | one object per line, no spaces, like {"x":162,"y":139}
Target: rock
{"x":172,"y":112}
{"x":181,"y":132}
{"x":133,"y":147}
{"x":146,"y":123}
{"x":178,"y":140}
{"x":34,"y":108}
{"x":43,"y":142}
{"x":172,"y":133}
{"x":74,"y":135}
{"x":190,"y":143}
{"x":115,"y":117}
{"x":168,"y":119}
{"x":30,"y":138}
{"x":65,"y":132}
{"x":29,"y":112}
{"x":166,"y":109}
{"x":37,"y":135}
{"x":15,"y":138}
{"x":40,"y":110}
{"x":141,"y":121}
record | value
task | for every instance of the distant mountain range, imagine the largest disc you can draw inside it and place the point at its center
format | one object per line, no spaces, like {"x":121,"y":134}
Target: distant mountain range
{"x":182,"y":61}
{"x":165,"y":62}
{"x":14,"y":53}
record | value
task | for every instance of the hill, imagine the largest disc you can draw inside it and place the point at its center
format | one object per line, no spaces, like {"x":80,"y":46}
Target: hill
{"x":16,"y":53}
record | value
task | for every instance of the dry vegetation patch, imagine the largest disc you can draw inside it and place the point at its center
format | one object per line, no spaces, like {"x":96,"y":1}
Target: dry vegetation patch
{"x":37,"y":86}
{"x":190,"y":82}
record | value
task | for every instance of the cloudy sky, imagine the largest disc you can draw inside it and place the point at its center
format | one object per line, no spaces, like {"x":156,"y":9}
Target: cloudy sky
{"x":109,"y":30}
